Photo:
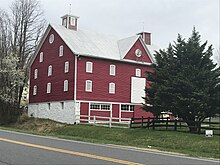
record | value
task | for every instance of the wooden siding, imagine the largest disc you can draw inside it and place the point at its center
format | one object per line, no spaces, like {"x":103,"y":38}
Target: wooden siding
{"x":131,"y":53}
{"x":51,"y":57}
{"x":101,"y":78}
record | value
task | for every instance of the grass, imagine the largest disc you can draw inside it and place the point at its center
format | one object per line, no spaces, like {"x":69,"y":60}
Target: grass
{"x":172,"y":141}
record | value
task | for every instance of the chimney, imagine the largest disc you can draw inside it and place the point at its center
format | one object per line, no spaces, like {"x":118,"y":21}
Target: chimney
{"x":146,"y":36}
{"x":70,"y":21}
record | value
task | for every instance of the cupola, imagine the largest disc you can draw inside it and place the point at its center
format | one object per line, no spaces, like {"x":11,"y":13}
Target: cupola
{"x":70,"y":21}
{"x":146,"y":36}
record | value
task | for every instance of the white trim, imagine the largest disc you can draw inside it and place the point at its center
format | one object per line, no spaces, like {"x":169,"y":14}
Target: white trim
{"x":50,"y":71}
{"x":87,"y":87}
{"x":75,"y":80}
{"x":111,"y":87}
{"x":87,"y":101}
{"x":35,"y":73}
{"x":49,"y":86}
{"x":51,"y":38}
{"x":112,"y":70}
{"x":41,"y":58}
{"x":89,"y":67}
{"x":60,"y":50}
{"x":119,"y":111}
{"x":65,"y":85}
{"x":66,"y":67}
{"x":35,"y":90}
{"x":146,"y":49}
{"x":138,"y":72}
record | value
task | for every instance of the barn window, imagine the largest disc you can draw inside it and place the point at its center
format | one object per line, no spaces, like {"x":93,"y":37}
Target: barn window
{"x":49,"y":70}
{"x":112,"y":70}
{"x":61,"y":50}
{"x":35,"y":90}
{"x":48,"y":87}
{"x":66,"y":67}
{"x":41,"y":57}
{"x":62,"y":105}
{"x":112,"y":88}
{"x":88,"y":86}
{"x":51,"y":38}
{"x":127,"y":107}
{"x":100,"y":106}
{"x":138,"y":72}
{"x":35,"y":73}
{"x":89,"y":67}
{"x":48,"y":104}
{"x":65,"y":85}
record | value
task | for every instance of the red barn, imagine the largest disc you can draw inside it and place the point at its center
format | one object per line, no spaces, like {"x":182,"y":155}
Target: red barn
{"x":77,"y":72}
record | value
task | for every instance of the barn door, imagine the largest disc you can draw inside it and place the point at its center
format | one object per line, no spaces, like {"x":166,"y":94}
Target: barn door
{"x":137,"y":89}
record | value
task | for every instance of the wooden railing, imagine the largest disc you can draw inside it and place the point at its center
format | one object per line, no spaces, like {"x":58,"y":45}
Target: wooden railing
{"x":105,"y":121}
{"x":175,"y":125}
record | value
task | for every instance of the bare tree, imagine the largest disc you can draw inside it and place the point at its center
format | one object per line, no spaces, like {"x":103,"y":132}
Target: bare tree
{"x":19,"y":35}
{"x":27,"y":26}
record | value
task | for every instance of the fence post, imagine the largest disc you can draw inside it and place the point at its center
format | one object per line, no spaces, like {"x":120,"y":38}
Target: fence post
{"x":94,"y":120}
{"x":199,"y":127}
{"x":153,"y":122}
{"x":175,"y":125}
{"x":110,"y":122}
{"x":142,"y":120}
{"x":167,"y":124}
{"x":131,"y":123}
{"x":148,"y":122}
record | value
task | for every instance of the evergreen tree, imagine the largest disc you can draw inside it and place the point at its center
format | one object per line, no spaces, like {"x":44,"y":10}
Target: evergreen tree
{"x":184,"y":81}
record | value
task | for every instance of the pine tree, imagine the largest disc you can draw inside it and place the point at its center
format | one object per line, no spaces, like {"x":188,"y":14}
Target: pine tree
{"x":185,"y":81}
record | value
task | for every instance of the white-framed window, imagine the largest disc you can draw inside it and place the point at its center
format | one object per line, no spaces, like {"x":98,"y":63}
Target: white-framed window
{"x":48,"y":87}
{"x":41,"y":57}
{"x":61,"y":50}
{"x":66,"y":67}
{"x":112,"y":88}
{"x":51,"y":38}
{"x":72,"y":21}
{"x":100,"y":106}
{"x":65,"y":85}
{"x":35,"y":73}
{"x":35,"y":90}
{"x":112,"y":70}
{"x":127,"y":107}
{"x":50,"y":70}
{"x":89,"y":66}
{"x":138,"y":72}
{"x":88,"y":86}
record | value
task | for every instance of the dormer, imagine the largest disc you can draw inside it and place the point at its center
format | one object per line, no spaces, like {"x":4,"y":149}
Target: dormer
{"x":70,"y":21}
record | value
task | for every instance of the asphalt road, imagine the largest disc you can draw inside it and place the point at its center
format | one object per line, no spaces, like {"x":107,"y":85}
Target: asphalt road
{"x":24,"y":149}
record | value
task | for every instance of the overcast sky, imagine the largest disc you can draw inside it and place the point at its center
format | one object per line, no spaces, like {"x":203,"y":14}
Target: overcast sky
{"x":124,"y":18}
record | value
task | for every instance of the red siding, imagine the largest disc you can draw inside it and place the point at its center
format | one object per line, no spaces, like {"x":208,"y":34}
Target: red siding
{"x":131,"y":53}
{"x":101,"y":79}
{"x":139,"y":112}
{"x":51,"y":57}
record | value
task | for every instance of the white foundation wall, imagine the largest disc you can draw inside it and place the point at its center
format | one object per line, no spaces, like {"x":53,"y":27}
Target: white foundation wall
{"x":54,"y":111}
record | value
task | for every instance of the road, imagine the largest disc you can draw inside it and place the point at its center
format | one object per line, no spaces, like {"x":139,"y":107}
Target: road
{"x":23,"y":149}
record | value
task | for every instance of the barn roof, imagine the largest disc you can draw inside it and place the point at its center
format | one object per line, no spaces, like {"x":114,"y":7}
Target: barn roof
{"x":87,"y":43}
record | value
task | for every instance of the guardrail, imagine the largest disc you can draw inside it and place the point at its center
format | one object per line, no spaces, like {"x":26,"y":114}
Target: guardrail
{"x":105,"y":121}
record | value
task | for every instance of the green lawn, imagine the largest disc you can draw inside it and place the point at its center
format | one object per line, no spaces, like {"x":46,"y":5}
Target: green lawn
{"x":172,"y":141}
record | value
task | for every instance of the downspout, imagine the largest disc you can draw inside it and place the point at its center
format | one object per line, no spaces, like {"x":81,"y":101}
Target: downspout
{"x":74,"y":90}
{"x":75,"y":77}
